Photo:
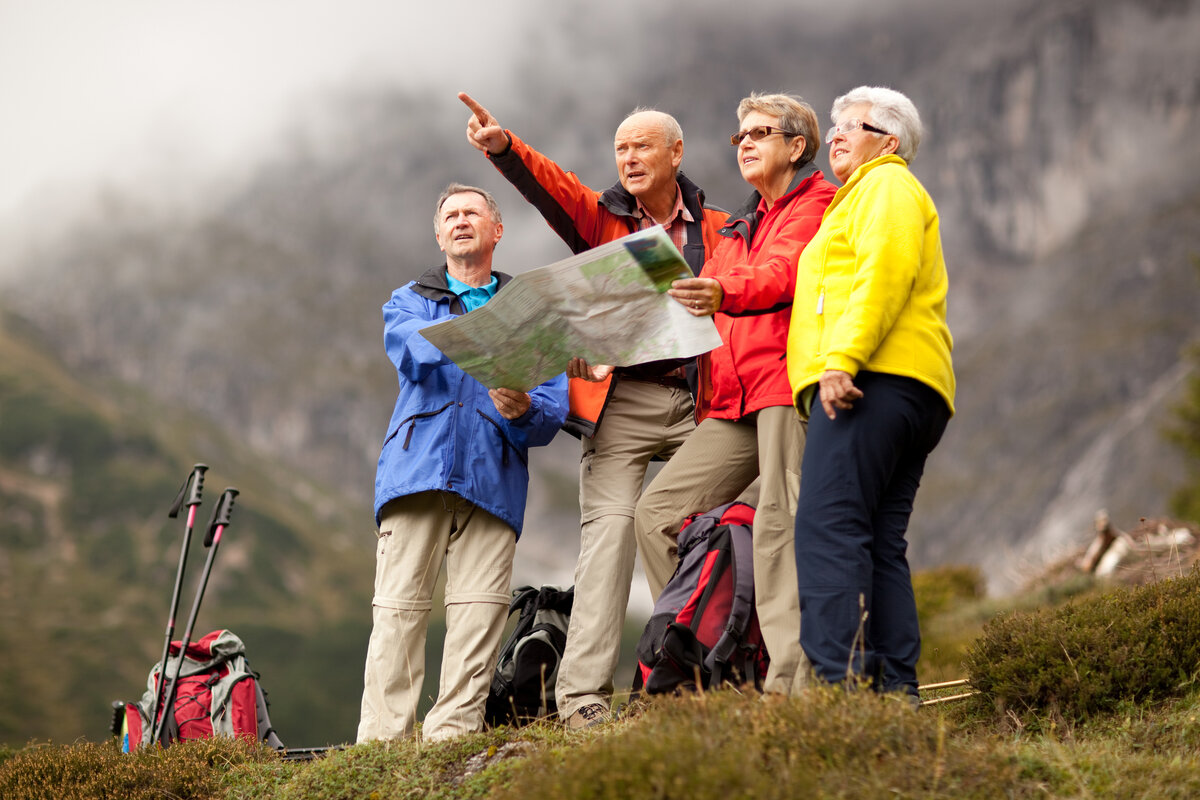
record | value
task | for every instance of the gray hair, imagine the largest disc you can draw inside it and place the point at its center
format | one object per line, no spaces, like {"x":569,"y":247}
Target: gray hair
{"x":890,"y":110}
{"x":793,"y":114}
{"x":669,"y":126}
{"x":459,"y":188}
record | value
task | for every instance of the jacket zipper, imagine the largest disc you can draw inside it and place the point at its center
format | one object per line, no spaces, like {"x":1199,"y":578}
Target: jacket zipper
{"x":411,"y":422}
{"x":503,"y":440}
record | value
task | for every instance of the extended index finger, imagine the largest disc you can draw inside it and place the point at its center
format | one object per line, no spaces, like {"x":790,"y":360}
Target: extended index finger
{"x":479,"y":111}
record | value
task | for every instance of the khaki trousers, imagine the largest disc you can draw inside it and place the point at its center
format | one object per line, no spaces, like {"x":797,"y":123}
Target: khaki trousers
{"x":642,"y":420}
{"x":417,"y":533}
{"x":720,"y":460}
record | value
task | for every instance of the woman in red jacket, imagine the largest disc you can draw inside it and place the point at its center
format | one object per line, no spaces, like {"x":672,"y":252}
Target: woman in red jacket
{"x":750,"y":429}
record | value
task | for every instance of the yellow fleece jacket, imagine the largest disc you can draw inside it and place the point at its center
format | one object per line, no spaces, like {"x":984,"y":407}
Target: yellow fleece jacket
{"x":871,"y":286}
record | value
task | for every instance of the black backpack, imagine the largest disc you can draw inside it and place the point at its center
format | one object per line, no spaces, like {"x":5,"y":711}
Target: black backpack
{"x":527,"y":668}
{"x":704,"y":628}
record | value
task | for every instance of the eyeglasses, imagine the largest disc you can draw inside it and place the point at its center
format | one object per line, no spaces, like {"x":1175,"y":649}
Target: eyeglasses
{"x":758,"y":133}
{"x":852,"y":125}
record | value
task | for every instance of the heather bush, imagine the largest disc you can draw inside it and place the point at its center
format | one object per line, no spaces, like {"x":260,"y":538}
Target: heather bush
{"x":1090,"y":655}
{"x":100,"y":771}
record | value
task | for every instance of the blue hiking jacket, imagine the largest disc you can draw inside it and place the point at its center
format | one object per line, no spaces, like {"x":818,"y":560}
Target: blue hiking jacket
{"x":445,"y":433}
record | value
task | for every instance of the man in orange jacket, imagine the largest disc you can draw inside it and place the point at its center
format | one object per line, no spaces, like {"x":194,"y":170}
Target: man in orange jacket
{"x":647,"y":410}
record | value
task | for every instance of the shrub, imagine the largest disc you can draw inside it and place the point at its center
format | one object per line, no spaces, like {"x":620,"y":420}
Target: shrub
{"x":1088,"y":656}
{"x":91,"y":771}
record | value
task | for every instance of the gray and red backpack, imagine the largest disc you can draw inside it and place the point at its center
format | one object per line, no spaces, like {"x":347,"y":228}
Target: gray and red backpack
{"x":218,"y":695}
{"x":704,"y":628}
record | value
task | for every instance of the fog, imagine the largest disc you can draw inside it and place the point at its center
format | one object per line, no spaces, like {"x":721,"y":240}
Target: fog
{"x":114,"y":91}
{"x":126,"y":91}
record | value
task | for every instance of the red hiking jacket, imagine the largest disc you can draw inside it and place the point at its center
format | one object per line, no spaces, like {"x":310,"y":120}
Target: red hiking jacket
{"x":755,"y":264}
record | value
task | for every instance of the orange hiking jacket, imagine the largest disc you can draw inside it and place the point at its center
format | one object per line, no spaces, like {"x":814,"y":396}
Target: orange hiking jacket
{"x":585,"y":218}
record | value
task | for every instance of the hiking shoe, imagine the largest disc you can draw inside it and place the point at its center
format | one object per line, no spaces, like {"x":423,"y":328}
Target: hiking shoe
{"x":587,"y":716}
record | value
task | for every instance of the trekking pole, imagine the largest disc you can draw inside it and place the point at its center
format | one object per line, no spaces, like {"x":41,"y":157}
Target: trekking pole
{"x":195,"y":480}
{"x":212,"y":540}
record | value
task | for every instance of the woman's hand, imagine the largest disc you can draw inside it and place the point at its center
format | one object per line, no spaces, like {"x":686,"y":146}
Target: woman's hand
{"x":837,"y":391}
{"x":700,"y":296}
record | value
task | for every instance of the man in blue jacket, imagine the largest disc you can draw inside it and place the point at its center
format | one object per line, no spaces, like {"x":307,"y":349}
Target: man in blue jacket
{"x":450,"y":488}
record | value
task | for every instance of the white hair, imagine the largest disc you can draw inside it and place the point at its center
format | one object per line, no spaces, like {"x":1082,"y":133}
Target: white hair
{"x":890,"y":110}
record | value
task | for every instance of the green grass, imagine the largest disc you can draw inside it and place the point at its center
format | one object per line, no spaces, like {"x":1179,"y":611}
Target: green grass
{"x":829,"y":743}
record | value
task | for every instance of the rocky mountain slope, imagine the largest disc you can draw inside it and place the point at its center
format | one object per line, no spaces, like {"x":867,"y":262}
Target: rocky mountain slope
{"x":1060,"y":150}
{"x":89,"y":557}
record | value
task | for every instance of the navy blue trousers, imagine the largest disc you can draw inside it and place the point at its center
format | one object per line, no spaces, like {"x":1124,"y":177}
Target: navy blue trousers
{"x":860,"y":476}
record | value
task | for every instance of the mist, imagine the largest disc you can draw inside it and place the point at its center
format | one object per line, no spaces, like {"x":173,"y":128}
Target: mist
{"x":153,"y":93}
{"x":170,"y":134}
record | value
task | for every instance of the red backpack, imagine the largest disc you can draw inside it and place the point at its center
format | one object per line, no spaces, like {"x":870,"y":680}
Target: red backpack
{"x":217,"y":695}
{"x":704,"y":628}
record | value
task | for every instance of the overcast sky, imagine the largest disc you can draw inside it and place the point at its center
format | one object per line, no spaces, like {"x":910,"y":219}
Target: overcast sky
{"x":96,"y":88}
{"x":105,"y":87}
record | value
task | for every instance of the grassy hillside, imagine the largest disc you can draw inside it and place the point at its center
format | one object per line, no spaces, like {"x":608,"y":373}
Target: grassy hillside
{"x":1061,"y":710}
{"x":88,"y":557}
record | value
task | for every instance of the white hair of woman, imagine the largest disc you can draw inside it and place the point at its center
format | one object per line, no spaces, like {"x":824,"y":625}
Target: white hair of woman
{"x":890,"y":110}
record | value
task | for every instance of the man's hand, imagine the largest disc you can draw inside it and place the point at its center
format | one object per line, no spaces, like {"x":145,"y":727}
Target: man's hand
{"x":700,"y":296}
{"x":579,"y":368}
{"x":837,"y":391}
{"x":484,"y":131}
{"x":510,"y":403}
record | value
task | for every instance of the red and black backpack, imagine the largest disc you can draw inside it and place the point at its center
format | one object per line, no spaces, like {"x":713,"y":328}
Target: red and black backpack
{"x":704,"y":628}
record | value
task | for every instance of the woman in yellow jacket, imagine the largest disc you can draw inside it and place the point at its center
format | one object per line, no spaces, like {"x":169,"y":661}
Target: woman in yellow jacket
{"x":868,"y":361}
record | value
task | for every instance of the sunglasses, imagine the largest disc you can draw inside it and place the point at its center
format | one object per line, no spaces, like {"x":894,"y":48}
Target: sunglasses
{"x":757,"y":134}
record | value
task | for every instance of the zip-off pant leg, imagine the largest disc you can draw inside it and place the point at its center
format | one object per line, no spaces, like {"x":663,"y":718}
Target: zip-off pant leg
{"x":417,"y":533}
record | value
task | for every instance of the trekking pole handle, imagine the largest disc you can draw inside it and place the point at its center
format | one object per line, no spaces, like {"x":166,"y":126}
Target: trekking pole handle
{"x":221,"y":515}
{"x":195,"y":479}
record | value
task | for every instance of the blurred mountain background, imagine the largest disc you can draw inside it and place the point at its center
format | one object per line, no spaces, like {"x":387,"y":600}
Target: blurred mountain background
{"x":164,"y":308}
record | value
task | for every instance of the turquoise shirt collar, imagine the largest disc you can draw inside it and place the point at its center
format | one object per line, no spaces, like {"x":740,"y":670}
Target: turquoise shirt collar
{"x":472,"y":297}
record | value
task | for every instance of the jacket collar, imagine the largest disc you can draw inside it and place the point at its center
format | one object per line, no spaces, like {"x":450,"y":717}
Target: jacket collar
{"x":433,"y":285}
{"x":623,"y":205}
{"x":619,"y":201}
{"x":744,"y":221}
{"x":863,"y":169}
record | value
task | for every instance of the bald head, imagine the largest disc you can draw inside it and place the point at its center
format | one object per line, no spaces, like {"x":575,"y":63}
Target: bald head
{"x":649,"y":149}
{"x":652,"y":119}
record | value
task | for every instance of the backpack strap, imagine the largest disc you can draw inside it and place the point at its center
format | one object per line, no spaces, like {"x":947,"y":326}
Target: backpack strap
{"x":524,"y":600}
{"x":742,"y":608}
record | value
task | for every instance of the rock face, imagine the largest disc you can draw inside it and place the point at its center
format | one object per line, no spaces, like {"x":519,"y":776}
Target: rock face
{"x":1061,"y":151}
